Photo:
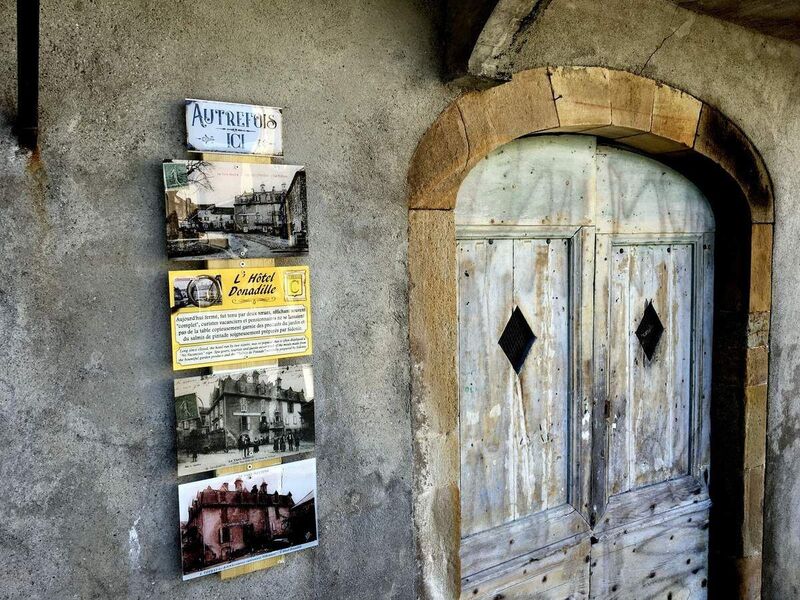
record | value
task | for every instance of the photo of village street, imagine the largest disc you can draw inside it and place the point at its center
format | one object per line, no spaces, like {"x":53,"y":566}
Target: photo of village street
{"x":234,"y":210}
{"x":242,"y":417}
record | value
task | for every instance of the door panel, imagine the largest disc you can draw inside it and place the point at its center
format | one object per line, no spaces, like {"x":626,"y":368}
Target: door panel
{"x":652,"y":504}
{"x":541,"y":291}
{"x":489,"y":465}
{"x":662,"y":558}
{"x":514,"y":431}
{"x":650,"y":398}
{"x":585,"y":474}
{"x":553,"y":573}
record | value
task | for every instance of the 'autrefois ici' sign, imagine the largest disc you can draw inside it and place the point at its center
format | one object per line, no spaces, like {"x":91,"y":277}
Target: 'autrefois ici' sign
{"x":229,"y":127}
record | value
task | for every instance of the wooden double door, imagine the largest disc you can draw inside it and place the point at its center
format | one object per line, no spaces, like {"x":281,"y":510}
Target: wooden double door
{"x":584,"y":374}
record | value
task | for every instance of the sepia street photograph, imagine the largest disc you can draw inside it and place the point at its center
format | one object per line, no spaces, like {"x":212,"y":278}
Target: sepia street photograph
{"x":240,"y":417}
{"x":223,"y":210}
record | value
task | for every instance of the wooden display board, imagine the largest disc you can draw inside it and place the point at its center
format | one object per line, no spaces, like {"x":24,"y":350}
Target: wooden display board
{"x":267,"y":563}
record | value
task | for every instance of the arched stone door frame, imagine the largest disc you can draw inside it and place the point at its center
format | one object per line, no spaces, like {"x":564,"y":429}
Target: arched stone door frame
{"x":640,"y":113}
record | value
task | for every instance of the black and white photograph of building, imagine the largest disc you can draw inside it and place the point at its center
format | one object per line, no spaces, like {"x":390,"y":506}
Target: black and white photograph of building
{"x":201,"y":291}
{"x":222,"y":210}
{"x":240,"y":417}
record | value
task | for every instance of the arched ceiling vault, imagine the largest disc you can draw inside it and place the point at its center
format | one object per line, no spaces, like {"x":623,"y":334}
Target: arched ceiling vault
{"x":480,"y":33}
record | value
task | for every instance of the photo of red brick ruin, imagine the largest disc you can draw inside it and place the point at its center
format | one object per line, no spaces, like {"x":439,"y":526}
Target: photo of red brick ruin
{"x":232,"y":522}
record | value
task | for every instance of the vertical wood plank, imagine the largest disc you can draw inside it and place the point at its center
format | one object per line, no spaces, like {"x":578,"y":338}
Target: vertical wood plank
{"x":601,"y":401}
{"x":487,"y":384}
{"x":582,"y":278}
{"x":686,"y":302}
{"x":701,"y":415}
{"x":620,"y":347}
{"x":541,"y":291}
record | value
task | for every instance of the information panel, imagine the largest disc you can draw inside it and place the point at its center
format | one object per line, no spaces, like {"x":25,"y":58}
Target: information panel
{"x":232,"y":316}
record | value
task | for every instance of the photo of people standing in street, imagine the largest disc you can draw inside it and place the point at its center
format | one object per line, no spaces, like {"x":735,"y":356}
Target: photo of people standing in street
{"x":223,"y":210}
{"x":239,"y":417}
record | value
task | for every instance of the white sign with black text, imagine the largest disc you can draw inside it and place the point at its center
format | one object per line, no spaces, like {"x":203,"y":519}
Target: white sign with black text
{"x":237,"y":128}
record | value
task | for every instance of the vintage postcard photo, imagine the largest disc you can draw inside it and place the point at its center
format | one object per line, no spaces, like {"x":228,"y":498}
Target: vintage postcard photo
{"x":237,"y":519}
{"x":239,"y":417}
{"x":224,"y":210}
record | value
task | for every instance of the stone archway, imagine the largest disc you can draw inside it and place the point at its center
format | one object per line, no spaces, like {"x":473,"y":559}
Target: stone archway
{"x":662,"y":121}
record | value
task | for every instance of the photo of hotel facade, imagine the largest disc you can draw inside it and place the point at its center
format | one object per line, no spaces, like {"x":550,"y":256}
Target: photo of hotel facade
{"x":243,"y":416}
{"x":231,"y":210}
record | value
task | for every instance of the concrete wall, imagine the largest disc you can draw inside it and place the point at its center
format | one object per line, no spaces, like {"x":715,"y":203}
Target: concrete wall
{"x":89,"y":496}
{"x":754,"y":80}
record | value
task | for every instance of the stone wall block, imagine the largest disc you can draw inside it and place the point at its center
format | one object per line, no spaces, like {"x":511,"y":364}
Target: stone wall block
{"x":652,"y":143}
{"x":756,"y":370}
{"x":753,"y":526}
{"x":432,"y":291}
{"x":761,"y":268}
{"x":438,"y":163}
{"x":758,"y":329}
{"x":434,"y":399}
{"x":631,"y":100}
{"x":503,"y":113}
{"x":582,"y":96}
{"x":438,"y":537}
{"x":749,"y":574}
{"x":727,"y":145}
{"x":755,"y":417}
{"x":675,"y":115}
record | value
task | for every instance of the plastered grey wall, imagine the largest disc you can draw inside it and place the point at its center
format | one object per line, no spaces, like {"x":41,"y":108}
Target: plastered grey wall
{"x":88,"y":495}
{"x":754,"y":80}
{"x":88,"y":489}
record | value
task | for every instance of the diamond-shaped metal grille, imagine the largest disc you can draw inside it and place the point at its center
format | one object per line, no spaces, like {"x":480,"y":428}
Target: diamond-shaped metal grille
{"x":517,"y":339}
{"x":649,"y":330}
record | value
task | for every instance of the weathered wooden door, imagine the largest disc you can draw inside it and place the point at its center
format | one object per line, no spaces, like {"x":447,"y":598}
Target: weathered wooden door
{"x":585,"y":318}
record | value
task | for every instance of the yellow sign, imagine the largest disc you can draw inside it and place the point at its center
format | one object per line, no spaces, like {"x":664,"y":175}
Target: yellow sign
{"x":234,"y":316}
